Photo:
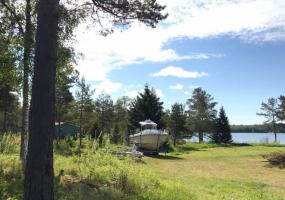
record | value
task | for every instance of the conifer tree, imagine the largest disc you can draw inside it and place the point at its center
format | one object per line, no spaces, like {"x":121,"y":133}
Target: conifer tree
{"x":281,"y":107}
{"x":177,"y":122}
{"x":146,"y":106}
{"x":201,"y":113}
{"x":270,"y":111}
{"x":223,"y":129}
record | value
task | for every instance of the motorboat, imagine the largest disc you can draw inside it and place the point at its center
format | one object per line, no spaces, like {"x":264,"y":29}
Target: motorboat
{"x":149,"y":138}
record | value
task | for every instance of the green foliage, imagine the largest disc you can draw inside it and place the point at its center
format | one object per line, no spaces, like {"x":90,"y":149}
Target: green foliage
{"x":270,"y":112}
{"x":116,"y":135}
{"x":9,"y":85}
{"x":177,"y":122}
{"x":222,"y":133}
{"x":146,"y":106}
{"x":202,"y":113}
{"x":281,"y":107}
{"x":121,"y":117}
{"x":66,"y":76}
{"x":104,"y":112}
{"x":84,"y":105}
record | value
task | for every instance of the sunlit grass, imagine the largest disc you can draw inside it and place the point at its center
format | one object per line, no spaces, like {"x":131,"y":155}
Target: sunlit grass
{"x":193,"y":171}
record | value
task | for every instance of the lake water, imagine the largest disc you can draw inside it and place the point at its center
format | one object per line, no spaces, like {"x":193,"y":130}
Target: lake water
{"x":252,"y":138}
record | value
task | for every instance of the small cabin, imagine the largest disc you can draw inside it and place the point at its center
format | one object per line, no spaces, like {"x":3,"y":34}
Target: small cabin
{"x":66,"y":129}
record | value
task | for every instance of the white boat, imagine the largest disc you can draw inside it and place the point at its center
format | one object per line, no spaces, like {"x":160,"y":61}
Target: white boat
{"x":149,"y":137}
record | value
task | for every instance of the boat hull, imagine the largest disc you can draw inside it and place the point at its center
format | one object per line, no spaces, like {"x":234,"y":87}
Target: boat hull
{"x":148,"y":141}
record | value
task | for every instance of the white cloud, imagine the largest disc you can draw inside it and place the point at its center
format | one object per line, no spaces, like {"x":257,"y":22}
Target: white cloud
{"x":132,"y":93}
{"x":178,"y":72}
{"x":187,"y":93}
{"x":159,"y":93}
{"x":107,"y":87}
{"x":193,"y":86}
{"x":177,"y":86}
{"x":250,"y":20}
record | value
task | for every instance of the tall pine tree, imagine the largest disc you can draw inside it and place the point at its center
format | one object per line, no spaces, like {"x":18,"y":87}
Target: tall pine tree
{"x":201,"y":113}
{"x":270,"y":111}
{"x":146,"y":106}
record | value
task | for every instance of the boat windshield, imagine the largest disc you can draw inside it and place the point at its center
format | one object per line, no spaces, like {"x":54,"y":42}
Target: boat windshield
{"x":148,"y":126}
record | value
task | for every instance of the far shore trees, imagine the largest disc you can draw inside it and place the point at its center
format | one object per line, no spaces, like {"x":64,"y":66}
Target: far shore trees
{"x":270,"y":111}
{"x":201,"y":113}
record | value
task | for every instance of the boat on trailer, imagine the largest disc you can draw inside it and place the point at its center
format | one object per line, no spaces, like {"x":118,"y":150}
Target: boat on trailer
{"x":149,"y":139}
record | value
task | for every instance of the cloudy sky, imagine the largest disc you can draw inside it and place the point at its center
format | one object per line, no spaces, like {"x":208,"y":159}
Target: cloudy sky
{"x":234,"y":49}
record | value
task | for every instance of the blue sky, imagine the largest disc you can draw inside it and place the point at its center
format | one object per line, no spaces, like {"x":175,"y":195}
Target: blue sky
{"x":235,"y":50}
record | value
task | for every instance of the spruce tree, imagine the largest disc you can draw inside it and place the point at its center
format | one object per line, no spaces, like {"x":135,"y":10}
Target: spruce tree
{"x":146,"y":106}
{"x":223,"y":129}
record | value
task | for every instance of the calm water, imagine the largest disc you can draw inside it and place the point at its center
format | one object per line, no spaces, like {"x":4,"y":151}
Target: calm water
{"x":253,"y":138}
{"x":258,"y":137}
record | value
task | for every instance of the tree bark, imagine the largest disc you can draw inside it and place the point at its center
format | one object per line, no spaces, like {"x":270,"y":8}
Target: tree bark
{"x":275,"y":131}
{"x":39,"y":174}
{"x":274,"y":128}
{"x":28,"y":40}
{"x":201,"y":139}
{"x":80,"y":120}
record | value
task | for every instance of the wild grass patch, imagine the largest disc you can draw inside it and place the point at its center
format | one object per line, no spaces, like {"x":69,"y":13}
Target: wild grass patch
{"x":9,"y":143}
{"x":276,"y":159}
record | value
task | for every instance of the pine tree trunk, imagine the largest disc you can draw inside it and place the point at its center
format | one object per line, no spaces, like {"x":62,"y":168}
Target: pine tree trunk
{"x":201,"y":139}
{"x":274,"y":129}
{"x":39,"y":175}
{"x":26,"y":67}
{"x":80,"y":120}
{"x":275,"y":132}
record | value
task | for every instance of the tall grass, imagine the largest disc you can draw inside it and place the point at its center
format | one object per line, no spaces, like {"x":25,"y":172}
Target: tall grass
{"x":94,"y":173}
{"x":89,"y":173}
{"x":9,"y":143}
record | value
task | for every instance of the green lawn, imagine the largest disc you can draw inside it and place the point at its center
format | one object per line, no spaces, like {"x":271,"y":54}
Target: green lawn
{"x":193,"y":171}
{"x":224,"y":172}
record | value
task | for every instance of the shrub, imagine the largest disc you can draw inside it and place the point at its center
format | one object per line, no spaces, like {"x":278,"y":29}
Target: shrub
{"x":276,"y":159}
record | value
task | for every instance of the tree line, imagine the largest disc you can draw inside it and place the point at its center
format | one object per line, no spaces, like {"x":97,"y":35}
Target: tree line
{"x":256,"y":128}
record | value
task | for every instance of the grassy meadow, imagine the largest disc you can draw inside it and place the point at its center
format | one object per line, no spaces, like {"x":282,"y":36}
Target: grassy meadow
{"x":192,"y":171}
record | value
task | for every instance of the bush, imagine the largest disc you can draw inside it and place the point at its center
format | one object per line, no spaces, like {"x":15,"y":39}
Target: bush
{"x":276,"y":159}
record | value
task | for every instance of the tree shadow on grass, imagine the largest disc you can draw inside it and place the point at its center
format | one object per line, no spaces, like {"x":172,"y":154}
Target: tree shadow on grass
{"x":184,"y":149}
{"x":165,"y":157}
